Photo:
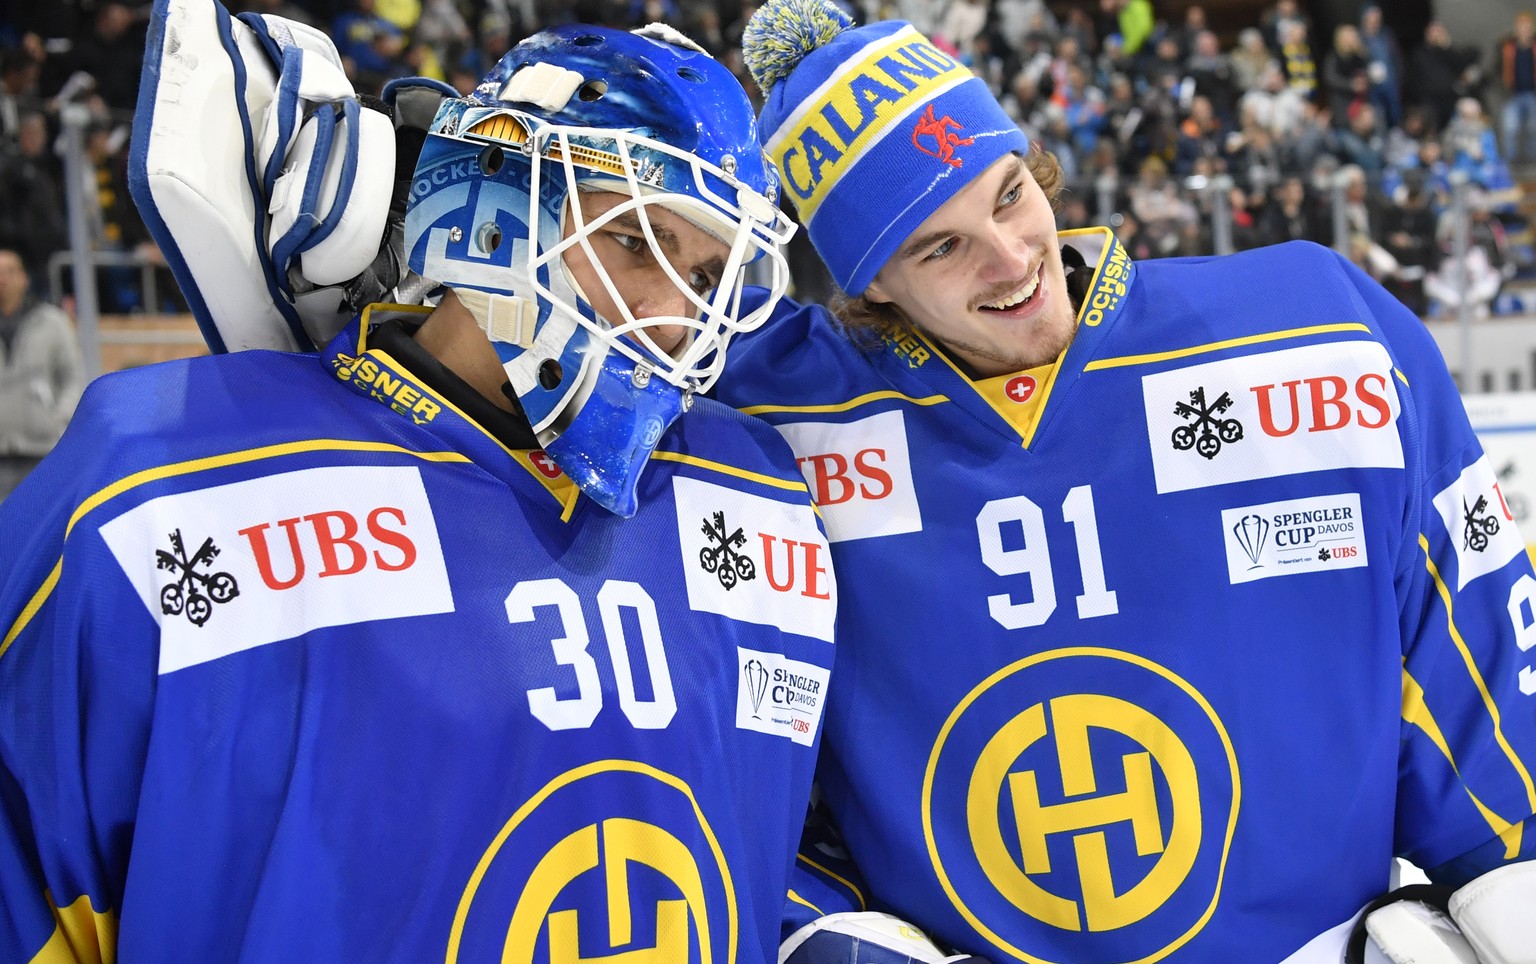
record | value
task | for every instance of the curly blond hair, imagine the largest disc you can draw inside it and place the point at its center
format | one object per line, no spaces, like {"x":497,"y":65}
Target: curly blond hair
{"x":868,"y":323}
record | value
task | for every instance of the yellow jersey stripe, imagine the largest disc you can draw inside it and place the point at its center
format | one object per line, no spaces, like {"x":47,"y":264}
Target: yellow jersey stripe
{"x":1416,"y":712}
{"x":721,"y":467}
{"x":845,"y":406}
{"x":1475,"y":675}
{"x":1128,"y":360}
{"x":863,"y":904}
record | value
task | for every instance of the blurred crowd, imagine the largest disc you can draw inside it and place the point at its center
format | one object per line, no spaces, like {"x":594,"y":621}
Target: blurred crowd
{"x":1183,"y":140}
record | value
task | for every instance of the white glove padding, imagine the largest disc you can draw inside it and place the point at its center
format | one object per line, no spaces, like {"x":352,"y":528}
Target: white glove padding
{"x":1489,"y":920}
{"x":864,"y":937}
{"x":1497,"y":914}
{"x":258,"y":172}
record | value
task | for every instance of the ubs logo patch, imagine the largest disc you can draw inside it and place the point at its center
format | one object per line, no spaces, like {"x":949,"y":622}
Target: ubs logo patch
{"x":612,"y":860}
{"x":859,"y":473}
{"x":1478,"y":522}
{"x":1305,"y":409}
{"x":296,"y":552}
{"x":754,"y":559}
{"x":1107,"y":813}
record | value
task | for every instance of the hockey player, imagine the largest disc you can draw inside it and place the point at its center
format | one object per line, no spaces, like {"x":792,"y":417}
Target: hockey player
{"x":1176,"y":597}
{"x":354,"y":655}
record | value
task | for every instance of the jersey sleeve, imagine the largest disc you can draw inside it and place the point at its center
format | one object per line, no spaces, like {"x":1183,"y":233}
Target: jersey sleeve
{"x":1467,"y":605}
{"x":74,"y":721}
{"x":823,"y":880}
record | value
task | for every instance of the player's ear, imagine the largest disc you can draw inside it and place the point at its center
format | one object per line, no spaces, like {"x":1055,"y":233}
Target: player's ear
{"x":876,"y":293}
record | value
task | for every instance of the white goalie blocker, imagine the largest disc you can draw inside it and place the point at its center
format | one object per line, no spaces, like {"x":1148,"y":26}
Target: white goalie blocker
{"x":262,"y":178}
{"x":1489,"y":920}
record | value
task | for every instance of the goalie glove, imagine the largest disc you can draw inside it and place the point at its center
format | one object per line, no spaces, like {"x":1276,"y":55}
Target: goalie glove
{"x":865,"y":937}
{"x":1489,"y":920}
{"x":269,"y":185}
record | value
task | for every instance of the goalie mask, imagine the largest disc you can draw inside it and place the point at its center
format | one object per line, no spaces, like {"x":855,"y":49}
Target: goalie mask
{"x":579,"y":133}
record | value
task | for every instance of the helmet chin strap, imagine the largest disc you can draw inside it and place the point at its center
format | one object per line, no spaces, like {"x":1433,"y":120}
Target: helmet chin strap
{"x":505,"y":318}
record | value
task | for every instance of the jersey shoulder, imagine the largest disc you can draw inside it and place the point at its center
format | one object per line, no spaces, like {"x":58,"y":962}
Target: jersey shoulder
{"x":718,"y":436}
{"x":1295,"y":289}
{"x":141,"y":419}
{"x":801,"y":356}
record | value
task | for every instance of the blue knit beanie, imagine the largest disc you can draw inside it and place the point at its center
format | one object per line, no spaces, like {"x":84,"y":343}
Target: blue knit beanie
{"x":872,"y":128}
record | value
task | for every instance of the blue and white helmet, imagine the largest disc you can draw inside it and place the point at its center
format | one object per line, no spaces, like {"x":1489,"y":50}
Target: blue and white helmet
{"x":648,"y":115}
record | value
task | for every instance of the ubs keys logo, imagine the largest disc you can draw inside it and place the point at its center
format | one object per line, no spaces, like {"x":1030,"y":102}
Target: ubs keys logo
{"x":183,"y":595}
{"x":1107,"y":814}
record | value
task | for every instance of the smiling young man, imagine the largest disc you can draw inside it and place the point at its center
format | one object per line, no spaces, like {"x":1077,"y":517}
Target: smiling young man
{"x":1176,"y":598}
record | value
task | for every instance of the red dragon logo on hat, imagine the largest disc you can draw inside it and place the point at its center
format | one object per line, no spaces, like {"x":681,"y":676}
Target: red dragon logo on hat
{"x":944,"y":140}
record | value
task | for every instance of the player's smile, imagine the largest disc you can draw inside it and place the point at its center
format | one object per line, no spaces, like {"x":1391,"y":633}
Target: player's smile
{"x":983,"y":274}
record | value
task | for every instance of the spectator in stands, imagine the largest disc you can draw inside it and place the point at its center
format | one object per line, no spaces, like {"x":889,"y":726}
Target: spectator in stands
{"x":41,"y":373}
{"x":1111,"y":61}
{"x":1213,"y":74}
{"x":1275,"y":104}
{"x":1132,"y":238}
{"x":960,"y":24}
{"x":1134,"y":19}
{"x":1194,"y":24}
{"x":1201,"y":134}
{"x":1055,"y":135}
{"x":1408,"y":234}
{"x":1385,"y":67}
{"x":1252,"y":157}
{"x":1245,"y":209}
{"x":1296,"y":57}
{"x":1442,"y":73}
{"x":18,"y":89}
{"x":1276,"y":21}
{"x":444,"y":28}
{"x":1362,"y":142}
{"x":1517,"y":71}
{"x":1372,"y":258}
{"x":1402,"y":148}
{"x":31,"y":199}
{"x":1123,"y":117}
{"x":1344,"y":73}
{"x":1312,"y":139}
{"x":1473,"y":280}
{"x":1077,"y":24}
{"x":1251,"y":60}
{"x":1069,"y":54}
{"x":1159,"y":205}
{"x":1082,"y":106}
{"x":1471,"y":147}
{"x":1290,"y":215}
{"x":369,"y":45}
{"x":1016,"y":19}
{"x":112,"y":53}
{"x":1164,"y":69}
{"x":402,"y":13}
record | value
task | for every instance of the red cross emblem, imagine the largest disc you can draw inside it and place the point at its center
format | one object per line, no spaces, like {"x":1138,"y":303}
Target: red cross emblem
{"x":1020,"y":388}
{"x":944,"y":140}
{"x":544,"y":464}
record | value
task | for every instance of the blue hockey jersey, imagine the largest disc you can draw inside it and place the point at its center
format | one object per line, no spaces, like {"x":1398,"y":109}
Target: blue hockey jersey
{"x":300,"y":664}
{"x":1175,"y":672}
